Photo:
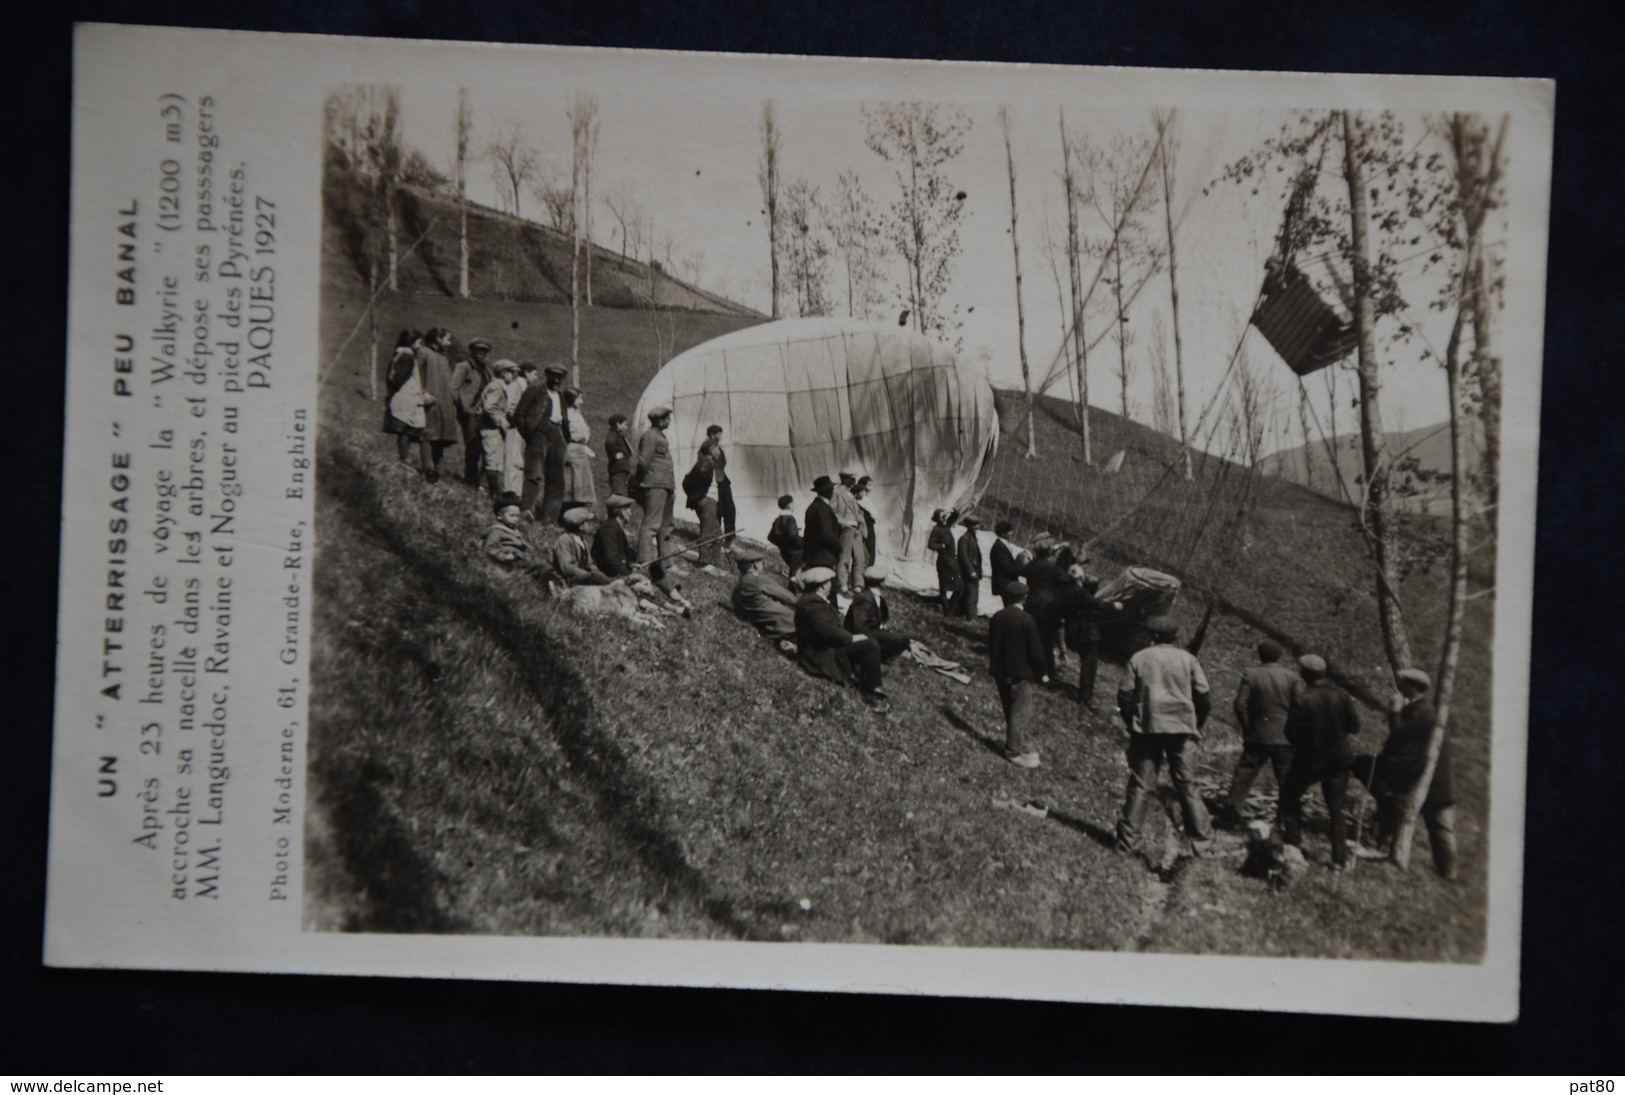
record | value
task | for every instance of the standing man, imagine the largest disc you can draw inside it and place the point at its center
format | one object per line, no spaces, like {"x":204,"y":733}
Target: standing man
{"x":468,"y":381}
{"x":504,"y":451}
{"x":1002,"y":558}
{"x":1164,"y":702}
{"x":656,"y":481}
{"x":552,"y":457}
{"x":870,"y":615}
{"x":1016,"y":660}
{"x":1398,"y":769}
{"x":941,"y":544}
{"x":762,"y":601}
{"x":825,"y":648}
{"x":700,"y":493}
{"x":849,"y":515}
{"x":727,"y":512}
{"x":968,"y":553}
{"x":621,"y":460}
{"x":822,"y":546}
{"x":530,"y":419}
{"x":1319,"y":725}
{"x":870,"y":539}
{"x":1263,"y":702}
{"x":1083,"y":612}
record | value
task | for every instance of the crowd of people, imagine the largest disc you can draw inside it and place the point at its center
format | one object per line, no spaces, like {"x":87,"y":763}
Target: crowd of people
{"x":526,"y":442}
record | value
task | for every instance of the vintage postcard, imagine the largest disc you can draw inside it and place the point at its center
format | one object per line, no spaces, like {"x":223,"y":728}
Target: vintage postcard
{"x":783,"y":522}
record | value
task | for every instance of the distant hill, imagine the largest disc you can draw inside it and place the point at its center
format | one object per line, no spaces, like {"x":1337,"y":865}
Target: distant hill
{"x":1311,"y":466}
{"x":510,"y":258}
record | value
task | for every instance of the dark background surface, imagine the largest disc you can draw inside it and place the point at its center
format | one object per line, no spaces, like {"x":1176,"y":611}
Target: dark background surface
{"x":82,"y":1022}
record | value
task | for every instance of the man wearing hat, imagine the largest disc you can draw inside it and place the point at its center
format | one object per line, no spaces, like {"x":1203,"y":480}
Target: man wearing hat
{"x":540,"y":418}
{"x":501,"y":446}
{"x":611,"y":553}
{"x":1016,"y":660}
{"x":821,"y":543}
{"x":1082,"y":613}
{"x":968,"y":553}
{"x":571,"y":556}
{"x":1164,"y":702}
{"x":762,"y":601}
{"x":655,"y":480}
{"x":870,"y":615}
{"x":1396,"y":771}
{"x":826,"y":649}
{"x":468,"y":380}
{"x":941,"y":544}
{"x":1319,"y":724}
{"x":850,"y":560}
{"x":1262,"y":704}
{"x":1002,"y":558}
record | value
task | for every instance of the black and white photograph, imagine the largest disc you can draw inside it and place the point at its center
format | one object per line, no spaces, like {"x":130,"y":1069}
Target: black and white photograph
{"x":635,"y":517}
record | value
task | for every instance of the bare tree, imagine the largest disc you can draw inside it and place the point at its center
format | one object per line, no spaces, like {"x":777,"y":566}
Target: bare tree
{"x":364,"y":126}
{"x":1121,"y":202}
{"x":767,"y":173}
{"x":919,"y":140}
{"x":514,"y":164}
{"x":1163,"y":415}
{"x":465,"y":129}
{"x":856,"y":231}
{"x":806,"y":247}
{"x":555,"y":199}
{"x":1080,"y":349}
{"x":583,"y":115}
{"x":1167,"y":153}
{"x":1021,"y":318}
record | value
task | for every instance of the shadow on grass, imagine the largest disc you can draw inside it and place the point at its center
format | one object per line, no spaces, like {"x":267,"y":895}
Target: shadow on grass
{"x":627,"y":800}
{"x":1097,"y":833}
{"x":992,"y":745}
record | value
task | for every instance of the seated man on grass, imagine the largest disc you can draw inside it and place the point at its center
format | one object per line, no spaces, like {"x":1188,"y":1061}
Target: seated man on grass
{"x":870,"y":615}
{"x":571,"y":556}
{"x":825,"y":648}
{"x":762,"y":601}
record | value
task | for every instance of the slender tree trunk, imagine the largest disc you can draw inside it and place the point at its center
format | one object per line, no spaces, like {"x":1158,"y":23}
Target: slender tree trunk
{"x":464,"y":125}
{"x":586,"y":205}
{"x":1303,"y":426}
{"x":1374,"y":455}
{"x":1165,"y":155}
{"x":1122,"y":329}
{"x":1080,"y":344}
{"x":372,"y":328}
{"x":1021,"y":320}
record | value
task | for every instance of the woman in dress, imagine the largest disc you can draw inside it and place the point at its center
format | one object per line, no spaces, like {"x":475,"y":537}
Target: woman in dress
{"x":403,"y":406}
{"x":941,"y":542}
{"x":578,"y":485}
{"x":440,"y":428}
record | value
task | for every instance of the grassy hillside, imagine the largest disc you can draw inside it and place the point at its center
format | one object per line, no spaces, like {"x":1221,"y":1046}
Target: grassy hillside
{"x":1311,"y":465}
{"x":482,"y":761}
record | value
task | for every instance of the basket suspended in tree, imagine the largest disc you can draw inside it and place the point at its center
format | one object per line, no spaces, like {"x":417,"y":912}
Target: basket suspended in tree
{"x":1305,"y":329}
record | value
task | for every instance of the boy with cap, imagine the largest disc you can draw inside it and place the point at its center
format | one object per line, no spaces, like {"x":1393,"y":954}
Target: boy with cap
{"x":1319,"y":724}
{"x":571,"y":556}
{"x":504,"y":543}
{"x":1016,"y":660}
{"x":1262,"y":704}
{"x":870,"y":615}
{"x":762,"y":601}
{"x":1164,"y":702}
{"x":619,"y":450}
{"x":785,"y":535}
{"x":656,"y":480}
{"x":968,"y":553}
{"x":1398,"y":769}
{"x":849,"y":560}
{"x":826,"y":649}
{"x":503,"y":448}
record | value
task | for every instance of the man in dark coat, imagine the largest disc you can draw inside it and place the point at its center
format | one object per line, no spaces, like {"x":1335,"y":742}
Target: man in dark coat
{"x":870,"y":615}
{"x":968,"y":553}
{"x":941,"y":544}
{"x":552,"y":454}
{"x":1001,"y":558}
{"x":762,"y":601}
{"x":1082,"y":613}
{"x":1263,"y":702}
{"x":785,"y":535}
{"x":468,"y":381}
{"x":1319,"y":724}
{"x":1016,"y":660}
{"x":821,"y":543}
{"x":825,"y":648}
{"x":1397,"y":770}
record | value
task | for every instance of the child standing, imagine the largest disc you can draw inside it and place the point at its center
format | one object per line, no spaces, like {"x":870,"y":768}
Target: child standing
{"x":786,"y":534}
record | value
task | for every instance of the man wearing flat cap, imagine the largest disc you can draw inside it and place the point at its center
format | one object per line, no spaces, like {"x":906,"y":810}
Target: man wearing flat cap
{"x":503,"y":449}
{"x":1319,"y":724}
{"x":826,"y":649}
{"x":849,"y":558}
{"x":761,"y":600}
{"x":468,"y":380}
{"x":1016,"y":660}
{"x":1164,"y":702}
{"x":1262,"y":704}
{"x":821,"y":542}
{"x":541,"y":421}
{"x":1398,"y":769}
{"x":655,"y":479}
{"x":870,"y":615}
{"x":968,"y":553}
